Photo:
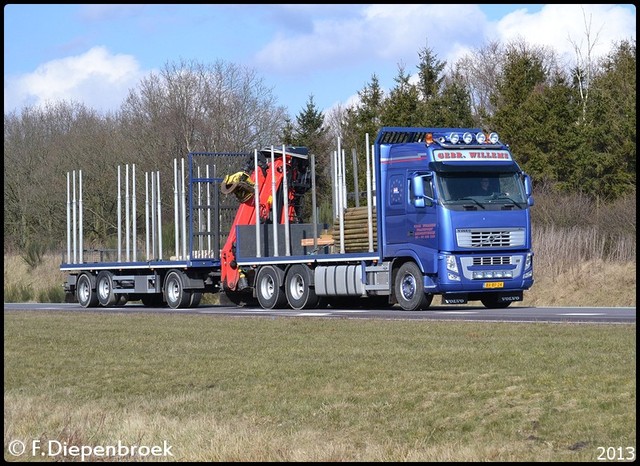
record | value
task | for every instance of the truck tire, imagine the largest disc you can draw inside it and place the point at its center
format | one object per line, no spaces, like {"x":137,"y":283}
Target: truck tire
{"x":85,"y":294}
{"x":104,"y":289}
{"x":409,"y":290}
{"x":152,"y":300}
{"x":300,"y":294}
{"x":239,"y":298}
{"x":268,"y":290}
{"x":174,"y":293}
{"x":491,"y":302}
{"x":196,"y":296}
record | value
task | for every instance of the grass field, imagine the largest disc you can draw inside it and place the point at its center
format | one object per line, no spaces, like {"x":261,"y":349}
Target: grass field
{"x":291,"y":389}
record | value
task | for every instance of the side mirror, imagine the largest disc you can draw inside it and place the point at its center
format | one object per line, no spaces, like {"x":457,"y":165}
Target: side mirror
{"x":528,"y":189}
{"x":418,"y":194}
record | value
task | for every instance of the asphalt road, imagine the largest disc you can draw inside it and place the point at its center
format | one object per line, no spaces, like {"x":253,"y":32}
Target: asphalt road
{"x":607,"y":315}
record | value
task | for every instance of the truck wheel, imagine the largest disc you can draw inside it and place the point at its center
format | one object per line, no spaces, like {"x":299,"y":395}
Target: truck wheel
{"x":152,"y":300}
{"x":409,"y":290}
{"x":86,"y":296}
{"x":491,"y":302}
{"x":122,"y":299}
{"x":174,"y":293}
{"x":268,"y":290}
{"x":104,"y":289}
{"x":196,"y":296}
{"x":239,"y":298}
{"x":300,"y":294}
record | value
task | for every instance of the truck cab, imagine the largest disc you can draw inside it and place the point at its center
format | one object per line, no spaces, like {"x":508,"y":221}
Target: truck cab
{"x":455,"y":213}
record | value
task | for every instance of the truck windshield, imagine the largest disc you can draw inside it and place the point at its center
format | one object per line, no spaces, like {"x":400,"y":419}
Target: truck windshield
{"x":481,"y":188}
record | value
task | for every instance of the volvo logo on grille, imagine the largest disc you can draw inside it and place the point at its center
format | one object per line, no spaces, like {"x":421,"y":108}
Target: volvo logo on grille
{"x":489,"y":239}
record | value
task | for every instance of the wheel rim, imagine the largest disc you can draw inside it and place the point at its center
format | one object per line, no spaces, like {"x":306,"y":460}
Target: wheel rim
{"x":296,"y":287}
{"x":83,"y":291}
{"x":103,"y":289}
{"x":267,"y":287}
{"x":173,"y":291}
{"x":408,"y":288}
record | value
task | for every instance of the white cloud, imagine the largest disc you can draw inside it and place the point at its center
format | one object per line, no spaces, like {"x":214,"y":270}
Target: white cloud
{"x":561,"y":26}
{"x":393,"y":33}
{"x":96,"y":78}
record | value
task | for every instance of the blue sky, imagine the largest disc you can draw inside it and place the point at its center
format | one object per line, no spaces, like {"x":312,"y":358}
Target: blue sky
{"x":95,"y":53}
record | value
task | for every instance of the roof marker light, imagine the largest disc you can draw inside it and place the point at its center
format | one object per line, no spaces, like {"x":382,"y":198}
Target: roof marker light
{"x":428,"y":139}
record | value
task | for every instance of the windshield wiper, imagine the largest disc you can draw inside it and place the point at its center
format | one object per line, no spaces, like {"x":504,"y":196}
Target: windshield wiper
{"x":505,"y":196}
{"x":470,"y":199}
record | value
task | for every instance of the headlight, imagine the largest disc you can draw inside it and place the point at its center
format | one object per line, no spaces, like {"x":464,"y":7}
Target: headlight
{"x":451,"y":264}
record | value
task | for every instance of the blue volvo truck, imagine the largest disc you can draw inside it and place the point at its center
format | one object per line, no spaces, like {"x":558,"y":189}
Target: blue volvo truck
{"x":447,"y":213}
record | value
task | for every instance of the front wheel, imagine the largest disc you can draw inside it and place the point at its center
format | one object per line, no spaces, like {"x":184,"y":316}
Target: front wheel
{"x":491,"y":302}
{"x":409,"y":288}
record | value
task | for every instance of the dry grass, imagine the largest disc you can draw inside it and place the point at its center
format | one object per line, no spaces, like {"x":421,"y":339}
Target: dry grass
{"x":261,"y":389}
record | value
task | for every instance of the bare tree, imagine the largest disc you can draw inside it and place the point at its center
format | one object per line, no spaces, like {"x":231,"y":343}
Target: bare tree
{"x":190,"y":106}
{"x":585,"y":66}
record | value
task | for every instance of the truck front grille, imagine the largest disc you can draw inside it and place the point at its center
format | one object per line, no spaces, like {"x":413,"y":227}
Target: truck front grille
{"x":490,"y":238}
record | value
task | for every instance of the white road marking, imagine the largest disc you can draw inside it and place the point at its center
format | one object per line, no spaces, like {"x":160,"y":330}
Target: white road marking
{"x":583,"y":314}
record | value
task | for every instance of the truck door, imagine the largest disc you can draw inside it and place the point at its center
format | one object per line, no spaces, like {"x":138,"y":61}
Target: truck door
{"x":421,"y":216}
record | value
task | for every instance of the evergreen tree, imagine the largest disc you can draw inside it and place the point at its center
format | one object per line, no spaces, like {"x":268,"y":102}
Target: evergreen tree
{"x":402,"y":107}
{"x":610,"y":165}
{"x":452,"y":106}
{"x":429,"y":74}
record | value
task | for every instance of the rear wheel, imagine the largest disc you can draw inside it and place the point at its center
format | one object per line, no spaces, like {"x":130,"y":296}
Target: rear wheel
{"x":104,"y":289}
{"x":300,"y":293}
{"x":85,"y":294}
{"x":174,"y":293}
{"x":409,"y":289}
{"x":268,"y":290}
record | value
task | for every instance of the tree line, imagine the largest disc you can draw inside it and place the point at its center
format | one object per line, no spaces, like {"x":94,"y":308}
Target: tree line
{"x":573,"y":130}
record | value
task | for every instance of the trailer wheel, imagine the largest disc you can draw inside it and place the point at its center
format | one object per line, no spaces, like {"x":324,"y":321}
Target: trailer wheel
{"x":85,"y":294}
{"x":104,"y":289}
{"x":409,"y":290}
{"x":300,"y":294}
{"x":174,"y":293}
{"x":196,"y":296}
{"x":268,"y":290}
{"x":152,"y":300}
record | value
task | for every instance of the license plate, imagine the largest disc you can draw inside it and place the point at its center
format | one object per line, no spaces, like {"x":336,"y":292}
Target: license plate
{"x":493,"y":285}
